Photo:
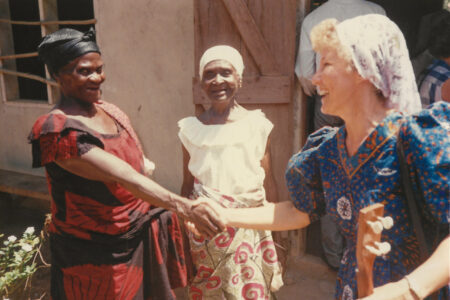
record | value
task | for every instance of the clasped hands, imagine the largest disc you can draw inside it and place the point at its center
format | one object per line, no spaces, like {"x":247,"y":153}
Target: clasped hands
{"x":205,"y":218}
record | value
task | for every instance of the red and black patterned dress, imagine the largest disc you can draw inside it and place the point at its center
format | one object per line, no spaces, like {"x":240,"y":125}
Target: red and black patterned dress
{"x":105,"y":243}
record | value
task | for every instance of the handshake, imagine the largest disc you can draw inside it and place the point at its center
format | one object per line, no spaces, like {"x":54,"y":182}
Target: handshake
{"x":205,"y":218}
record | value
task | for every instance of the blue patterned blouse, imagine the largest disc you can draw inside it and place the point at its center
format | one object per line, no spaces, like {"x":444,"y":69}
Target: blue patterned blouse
{"x":324,"y":179}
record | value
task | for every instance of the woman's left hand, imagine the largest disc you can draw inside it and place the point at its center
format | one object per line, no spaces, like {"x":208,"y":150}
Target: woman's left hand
{"x":392,"y":291}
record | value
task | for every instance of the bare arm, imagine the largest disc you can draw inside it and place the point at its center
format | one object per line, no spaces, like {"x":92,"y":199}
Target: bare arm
{"x":188,"y":180}
{"x":273,"y":216}
{"x":100,"y":165}
{"x":432,"y":275}
{"x":434,"y":272}
{"x":270,"y":185}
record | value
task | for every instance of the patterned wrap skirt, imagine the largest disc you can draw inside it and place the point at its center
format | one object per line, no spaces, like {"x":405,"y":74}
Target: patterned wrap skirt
{"x":238,"y":263}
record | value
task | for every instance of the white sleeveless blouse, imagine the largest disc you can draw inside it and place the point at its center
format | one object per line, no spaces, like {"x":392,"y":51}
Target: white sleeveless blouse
{"x":227,"y":157}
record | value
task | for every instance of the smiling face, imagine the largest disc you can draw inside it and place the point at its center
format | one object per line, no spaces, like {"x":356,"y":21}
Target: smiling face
{"x":220,"y":80}
{"x":336,"y":82}
{"x":81,"y":78}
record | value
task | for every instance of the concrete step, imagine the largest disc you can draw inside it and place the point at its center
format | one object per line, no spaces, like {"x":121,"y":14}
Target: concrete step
{"x":24,"y":185}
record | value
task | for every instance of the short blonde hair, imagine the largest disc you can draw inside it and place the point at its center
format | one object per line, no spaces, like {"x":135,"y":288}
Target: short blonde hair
{"x":324,"y":37}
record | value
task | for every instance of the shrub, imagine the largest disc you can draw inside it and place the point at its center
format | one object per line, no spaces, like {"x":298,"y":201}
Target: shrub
{"x":18,"y":262}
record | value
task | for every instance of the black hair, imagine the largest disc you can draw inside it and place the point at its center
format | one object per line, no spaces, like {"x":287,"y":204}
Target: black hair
{"x":439,"y":45}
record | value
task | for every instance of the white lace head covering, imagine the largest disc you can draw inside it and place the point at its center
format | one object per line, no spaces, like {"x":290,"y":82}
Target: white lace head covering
{"x":379,"y":53}
{"x":222,"y":52}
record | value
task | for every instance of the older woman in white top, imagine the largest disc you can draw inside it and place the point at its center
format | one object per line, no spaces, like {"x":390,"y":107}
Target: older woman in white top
{"x":226,"y":158}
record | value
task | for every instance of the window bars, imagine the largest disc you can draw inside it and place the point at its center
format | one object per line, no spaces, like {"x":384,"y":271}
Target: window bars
{"x":47,"y":26}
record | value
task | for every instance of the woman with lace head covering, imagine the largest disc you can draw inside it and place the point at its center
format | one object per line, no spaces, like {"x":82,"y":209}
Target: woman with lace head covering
{"x":226,"y":158}
{"x":111,"y":236}
{"x":365,"y":77}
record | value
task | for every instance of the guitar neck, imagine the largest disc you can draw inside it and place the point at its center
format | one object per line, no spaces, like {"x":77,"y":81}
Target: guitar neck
{"x":365,"y":258}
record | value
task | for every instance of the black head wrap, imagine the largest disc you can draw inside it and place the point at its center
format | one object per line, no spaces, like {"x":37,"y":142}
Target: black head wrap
{"x":61,"y":47}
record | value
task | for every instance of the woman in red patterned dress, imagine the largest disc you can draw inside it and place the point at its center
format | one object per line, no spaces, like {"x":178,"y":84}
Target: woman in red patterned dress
{"x":113,"y":233}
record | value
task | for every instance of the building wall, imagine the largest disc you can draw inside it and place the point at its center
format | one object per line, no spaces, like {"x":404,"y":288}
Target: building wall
{"x":16,"y":120}
{"x":148,"y":49}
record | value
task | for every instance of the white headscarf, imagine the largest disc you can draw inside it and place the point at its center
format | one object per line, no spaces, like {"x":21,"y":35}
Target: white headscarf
{"x":222,"y":52}
{"x":380,"y":55}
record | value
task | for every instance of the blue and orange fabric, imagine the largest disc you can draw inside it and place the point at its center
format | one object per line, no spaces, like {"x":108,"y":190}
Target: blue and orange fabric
{"x":105,"y":242}
{"x":324,"y":179}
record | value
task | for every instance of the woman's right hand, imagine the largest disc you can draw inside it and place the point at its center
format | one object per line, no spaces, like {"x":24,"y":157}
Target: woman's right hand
{"x":219,"y":211}
{"x":207,"y":217}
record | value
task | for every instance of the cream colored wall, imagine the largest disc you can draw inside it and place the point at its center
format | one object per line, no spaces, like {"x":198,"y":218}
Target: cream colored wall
{"x":148,"y":50}
{"x":16,"y":120}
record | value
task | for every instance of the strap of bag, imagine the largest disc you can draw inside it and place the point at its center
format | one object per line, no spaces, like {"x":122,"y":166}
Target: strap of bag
{"x":411,"y":203}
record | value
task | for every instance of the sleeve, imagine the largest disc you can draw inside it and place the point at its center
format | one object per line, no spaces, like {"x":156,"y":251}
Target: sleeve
{"x":425,"y":138}
{"x":182,"y":124}
{"x":303,"y":175}
{"x":305,"y":63}
{"x":55,"y":137}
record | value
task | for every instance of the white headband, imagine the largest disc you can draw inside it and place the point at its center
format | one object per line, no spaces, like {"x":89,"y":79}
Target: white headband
{"x":222,"y":52}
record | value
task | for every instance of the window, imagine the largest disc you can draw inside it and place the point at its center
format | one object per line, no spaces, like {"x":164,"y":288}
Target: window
{"x":23,"y":23}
